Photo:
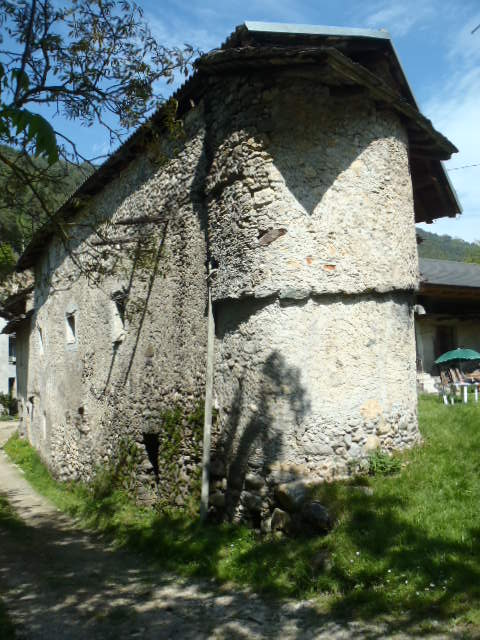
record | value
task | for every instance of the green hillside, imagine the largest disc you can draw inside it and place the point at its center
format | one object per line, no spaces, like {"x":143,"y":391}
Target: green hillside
{"x":20,"y":211}
{"x":445,"y":247}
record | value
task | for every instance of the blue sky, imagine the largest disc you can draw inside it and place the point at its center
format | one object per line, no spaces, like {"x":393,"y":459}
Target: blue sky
{"x":433,"y":38}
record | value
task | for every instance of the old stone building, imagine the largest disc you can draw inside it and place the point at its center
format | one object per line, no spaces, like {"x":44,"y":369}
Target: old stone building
{"x":286,"y":184}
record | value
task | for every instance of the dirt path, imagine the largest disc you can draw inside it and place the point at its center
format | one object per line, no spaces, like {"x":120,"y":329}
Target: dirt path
{"x":59,"y":583}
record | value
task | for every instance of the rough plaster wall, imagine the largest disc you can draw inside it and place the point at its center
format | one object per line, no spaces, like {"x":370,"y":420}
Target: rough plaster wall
{"x":307,"y":384}
{"x":312,"y":231}
{"x":330,"y":174}
{"x":89,"y":394}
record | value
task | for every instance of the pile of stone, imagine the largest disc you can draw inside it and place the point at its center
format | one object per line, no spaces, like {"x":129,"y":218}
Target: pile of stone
{"x":282,"y":501}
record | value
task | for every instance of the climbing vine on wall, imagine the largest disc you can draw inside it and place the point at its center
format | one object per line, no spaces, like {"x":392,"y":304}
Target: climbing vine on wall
{"x":120,"y":474}
{"x":179,"y":457}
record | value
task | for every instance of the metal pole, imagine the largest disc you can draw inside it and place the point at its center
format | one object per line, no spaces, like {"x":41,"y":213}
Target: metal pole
{"x":207,"y":425}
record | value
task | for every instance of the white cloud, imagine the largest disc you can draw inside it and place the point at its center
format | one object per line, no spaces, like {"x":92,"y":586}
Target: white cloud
{"x":454,"y":110}
{"x":464,"y":47}
{"x":399,"y":18}
{"x":173,"y":33}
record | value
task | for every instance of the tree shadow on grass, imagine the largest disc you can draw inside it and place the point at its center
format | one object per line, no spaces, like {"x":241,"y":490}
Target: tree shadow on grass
{"x":402,"y":570}
{"x":67,"y":580}
{"x":80,"y":582}
{"x":393,"y":553}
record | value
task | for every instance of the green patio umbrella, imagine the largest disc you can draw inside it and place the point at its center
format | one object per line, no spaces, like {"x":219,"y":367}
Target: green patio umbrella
{"x":458,"y":355}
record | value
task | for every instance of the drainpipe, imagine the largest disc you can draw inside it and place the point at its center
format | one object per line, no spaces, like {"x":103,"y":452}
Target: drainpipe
{"x":207,"y":425}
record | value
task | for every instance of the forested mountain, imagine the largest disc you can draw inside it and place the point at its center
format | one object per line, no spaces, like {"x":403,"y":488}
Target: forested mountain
{"x":445,"y":247}
{"x":21,"y":210}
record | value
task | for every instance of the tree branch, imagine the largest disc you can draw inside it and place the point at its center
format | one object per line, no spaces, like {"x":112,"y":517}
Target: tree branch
{"x":26,"y":51}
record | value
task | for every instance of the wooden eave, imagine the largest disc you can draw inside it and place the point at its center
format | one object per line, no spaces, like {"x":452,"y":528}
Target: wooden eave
{"x":448,"y":291}
{"x":335,"y":68}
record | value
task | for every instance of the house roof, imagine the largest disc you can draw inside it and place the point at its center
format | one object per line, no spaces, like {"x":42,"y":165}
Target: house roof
{"x":14,"y":324}
{"x":356,"y":43}
{"x":14,"y":309}
{"x":449,"y":273}
{"x":345,"y":58}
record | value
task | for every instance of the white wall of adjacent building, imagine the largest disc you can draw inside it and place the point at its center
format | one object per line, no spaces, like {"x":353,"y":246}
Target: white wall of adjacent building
{"x":7,"y":362}
{"x":435,"y":336}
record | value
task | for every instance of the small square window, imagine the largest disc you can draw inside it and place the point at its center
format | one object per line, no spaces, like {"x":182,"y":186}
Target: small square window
{"x":70,"y":326}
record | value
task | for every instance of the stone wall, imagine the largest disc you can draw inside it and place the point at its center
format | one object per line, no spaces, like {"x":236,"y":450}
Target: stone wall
{"x":312,"y":231}
{"x":124,"y":377}
{"x":22,"y":370}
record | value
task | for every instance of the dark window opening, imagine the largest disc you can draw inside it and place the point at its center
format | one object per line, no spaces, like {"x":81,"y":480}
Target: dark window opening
{"x":71,"y":328}
{"x":32,"y":408}
{"x":40,"y":339}
{"x":256,"y":519}
{"x":150,"y":440}
{"x":445,"y":339}
{"x":11,"y":387}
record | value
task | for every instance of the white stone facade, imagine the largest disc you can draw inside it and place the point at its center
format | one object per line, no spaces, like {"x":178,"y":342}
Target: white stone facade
{"x":315,"y":352}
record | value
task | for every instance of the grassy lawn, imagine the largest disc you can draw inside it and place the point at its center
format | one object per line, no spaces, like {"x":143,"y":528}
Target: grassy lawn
{"x":411,"y":550}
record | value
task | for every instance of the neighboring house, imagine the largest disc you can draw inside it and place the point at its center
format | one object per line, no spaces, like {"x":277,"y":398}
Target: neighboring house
{"x":17,"y":296}
{"x":289,"y":198}
{"x":449,"y":305}
{"x":7,"y":361}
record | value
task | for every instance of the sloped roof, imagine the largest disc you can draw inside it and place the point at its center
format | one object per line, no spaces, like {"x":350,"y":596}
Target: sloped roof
{"x":354,"y":42}
{"x":449,"y":273}
{"x":345,"y":58}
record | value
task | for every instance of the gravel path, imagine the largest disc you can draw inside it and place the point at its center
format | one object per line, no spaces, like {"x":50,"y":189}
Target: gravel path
{"x":61,"y":583}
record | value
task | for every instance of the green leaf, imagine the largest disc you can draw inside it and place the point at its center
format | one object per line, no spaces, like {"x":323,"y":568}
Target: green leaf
{"x":21,"y":77}
{"x":44,"y":135}
{"x":36,"y":129}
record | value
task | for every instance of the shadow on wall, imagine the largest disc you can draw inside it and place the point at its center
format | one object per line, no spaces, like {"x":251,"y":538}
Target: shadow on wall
{"x":308,"y":147}
{"x":259,"y":443}
{"x":157,"y":361}
{"x":311,"y":136}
